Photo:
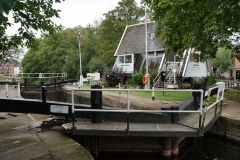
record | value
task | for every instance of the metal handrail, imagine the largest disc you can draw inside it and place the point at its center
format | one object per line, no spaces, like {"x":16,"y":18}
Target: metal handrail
{"x":156,"y":79}
{"x":38,"y":75}
{"x":221,"y":88}
{"x":186,"y":63}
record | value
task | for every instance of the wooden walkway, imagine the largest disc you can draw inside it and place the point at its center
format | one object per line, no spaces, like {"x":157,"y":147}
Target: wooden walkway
{"x":135,"y":129}
{"x":187,"y":127}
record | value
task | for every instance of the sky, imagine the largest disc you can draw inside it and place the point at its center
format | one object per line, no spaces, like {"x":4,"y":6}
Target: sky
{"x":79,"y":12}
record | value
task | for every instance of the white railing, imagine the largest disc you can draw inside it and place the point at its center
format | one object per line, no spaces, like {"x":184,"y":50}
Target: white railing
{"x":160,"y":69}
{"x":186,"y":63}
{"x":220,"y":86}
{"x":37,"y":75}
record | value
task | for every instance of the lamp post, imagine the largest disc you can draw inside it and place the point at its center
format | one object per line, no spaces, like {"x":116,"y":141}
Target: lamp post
{"x":147,"y":85}
{"x":79,"y":48}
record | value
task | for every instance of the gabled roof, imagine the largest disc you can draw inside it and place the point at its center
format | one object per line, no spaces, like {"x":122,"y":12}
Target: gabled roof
{"x":133,"y":39}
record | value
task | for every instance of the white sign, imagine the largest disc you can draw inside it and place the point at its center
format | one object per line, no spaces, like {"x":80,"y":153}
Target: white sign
{"x":93,"y":76}
{"x":196,"y":69}
{"x":59,"y":109}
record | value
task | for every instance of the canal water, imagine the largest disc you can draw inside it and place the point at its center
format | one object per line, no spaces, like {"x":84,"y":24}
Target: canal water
{"x":207,"y":148}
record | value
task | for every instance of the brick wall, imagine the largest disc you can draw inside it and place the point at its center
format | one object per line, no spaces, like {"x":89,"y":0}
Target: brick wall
{"x":237,"y":63}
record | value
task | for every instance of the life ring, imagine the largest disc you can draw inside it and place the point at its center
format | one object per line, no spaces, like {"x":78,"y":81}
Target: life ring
{"x":145,"y":79}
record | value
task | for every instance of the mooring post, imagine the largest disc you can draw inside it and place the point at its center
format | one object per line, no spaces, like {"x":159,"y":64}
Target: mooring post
{"x":96,"y":103}
{"x":166,"y":147}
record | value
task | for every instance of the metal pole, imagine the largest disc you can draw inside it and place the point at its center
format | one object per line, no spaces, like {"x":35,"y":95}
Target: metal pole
{"x":80,"y":59}
{"x":147,"y":85}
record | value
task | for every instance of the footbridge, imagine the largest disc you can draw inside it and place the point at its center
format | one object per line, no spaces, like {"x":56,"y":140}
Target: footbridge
{"x":104,"y":128}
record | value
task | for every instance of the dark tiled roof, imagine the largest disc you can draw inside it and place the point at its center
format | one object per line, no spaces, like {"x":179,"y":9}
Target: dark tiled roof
{"x":133,"y":40}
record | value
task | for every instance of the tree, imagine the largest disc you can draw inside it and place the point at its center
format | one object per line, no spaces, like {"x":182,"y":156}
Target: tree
{"x":223,"y":60}
{"x":32,"y":15}
{"x":96,"y":64}
{"x":54,"y":54}
{"x":204,"y":25}
{"x":111,"y":29}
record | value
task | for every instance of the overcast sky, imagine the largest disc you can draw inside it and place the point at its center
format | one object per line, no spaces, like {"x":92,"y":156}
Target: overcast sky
{"x":79,"y":12}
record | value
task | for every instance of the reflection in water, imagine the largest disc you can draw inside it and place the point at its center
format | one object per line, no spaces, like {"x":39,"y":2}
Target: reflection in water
{"x":215,"y":148}
{"x":212,"y":148}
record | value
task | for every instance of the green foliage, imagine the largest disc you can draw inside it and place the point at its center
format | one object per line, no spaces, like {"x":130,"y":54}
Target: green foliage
{"x":204,"y":25}
{"x":211,"y":80}
{"x":54,"y":55}
{"x":33,"y":16}
{"x":137,"y":78}
{"x":96,"y":64}
{"x":223,"y":60}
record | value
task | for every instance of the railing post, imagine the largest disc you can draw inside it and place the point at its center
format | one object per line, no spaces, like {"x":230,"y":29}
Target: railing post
{"x":44,"y":99}
{"x":153,"y":95}
{"x":128,"y":114}
{"x":200,"y":113}
{"x":19,"y":90}
{"x":7,"y":90}
{"x":73,"y":116}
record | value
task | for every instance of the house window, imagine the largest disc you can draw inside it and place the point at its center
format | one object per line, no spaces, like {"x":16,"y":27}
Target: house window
{"x":152,"y":36}
{"x":121,"y":59}
{"x":128,"y":59}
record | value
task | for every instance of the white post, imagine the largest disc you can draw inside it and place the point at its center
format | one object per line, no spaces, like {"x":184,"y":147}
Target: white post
{"x":19,"y":95}
{"x":174,"y":71}
{"x":119,"y":86}
{"x":7,"y":90}
{"x":79,"y":42}
{"x":147,"y":85}
{"x":153,"y":95}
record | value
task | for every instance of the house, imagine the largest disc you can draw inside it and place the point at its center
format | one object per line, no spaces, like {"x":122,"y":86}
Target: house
{"x":131,"y":56}
{"x":235,"y":71}
{"x":7,"y":68}
{"x":18,"y":68}
{"x":131,"y":51}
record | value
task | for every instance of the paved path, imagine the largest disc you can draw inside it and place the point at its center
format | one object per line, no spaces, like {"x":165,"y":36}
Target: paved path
{"x":21,"y":137}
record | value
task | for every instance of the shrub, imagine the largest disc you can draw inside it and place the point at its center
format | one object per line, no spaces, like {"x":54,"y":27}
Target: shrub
{"x":113,"y":77}
{"x":137,"y":78}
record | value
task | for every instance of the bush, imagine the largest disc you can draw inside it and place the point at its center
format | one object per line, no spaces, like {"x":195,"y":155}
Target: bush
{"x":137,"y":78}
{"x":113,"y":77}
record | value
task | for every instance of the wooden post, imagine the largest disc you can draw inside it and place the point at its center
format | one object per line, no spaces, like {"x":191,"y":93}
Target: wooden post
{"x":166,"y":147}
{"x":174,"y":146}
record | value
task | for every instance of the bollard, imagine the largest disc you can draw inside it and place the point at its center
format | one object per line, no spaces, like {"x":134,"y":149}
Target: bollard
{"x":153,"y":95}
{"x":175,"y":116}
{"x":96,"y":103}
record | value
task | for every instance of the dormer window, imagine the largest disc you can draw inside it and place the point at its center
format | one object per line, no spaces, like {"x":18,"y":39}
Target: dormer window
{"x":152,"y":36}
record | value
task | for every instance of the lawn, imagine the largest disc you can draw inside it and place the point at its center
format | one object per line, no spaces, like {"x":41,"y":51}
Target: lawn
{"x":159,"y":95}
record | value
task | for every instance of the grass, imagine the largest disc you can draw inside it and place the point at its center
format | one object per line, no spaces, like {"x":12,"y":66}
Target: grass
{"x":164,"y":96}
{"x":233,"y":95}
{"x":159,"y":95}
